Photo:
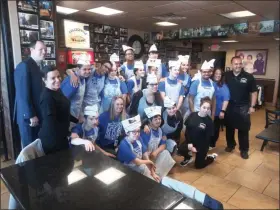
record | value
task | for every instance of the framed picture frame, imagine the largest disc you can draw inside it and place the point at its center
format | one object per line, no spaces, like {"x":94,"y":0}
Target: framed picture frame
{"x":28,"y":21}
{"x":27,"y":36}
{"x":27,"y":6}
{"x":47,"y":29}
{"x":254,"y":60}
{"x":50,"y":48}
{"x":46,"y":10}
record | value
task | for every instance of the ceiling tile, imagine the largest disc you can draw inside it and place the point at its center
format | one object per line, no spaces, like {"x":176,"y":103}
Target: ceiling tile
{"x":222,"y":9}
{"x":83,"y":5}
{"x":205,"y":4}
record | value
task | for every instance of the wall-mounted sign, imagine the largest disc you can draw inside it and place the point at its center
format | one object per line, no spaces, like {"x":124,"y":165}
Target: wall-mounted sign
{"x":267,"y":26}
{"x":76,"y":34}
{"x":75,"y":55}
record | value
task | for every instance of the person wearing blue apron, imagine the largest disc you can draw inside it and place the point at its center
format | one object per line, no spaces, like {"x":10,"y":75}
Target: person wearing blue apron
{"x":222,"y":99}
{"x":151,"y":96}
{"x":127,"y":69}
{"x":134,"y":154}
{"x":76,"y":94}
{"x":110,"y":127}
{"x":243,"y":98}
{"x":171,"y":86}
{"x":156,"y":142}
{"x":153,"y":54}
{"x":201,"y":88}
{"x":135,"y":86}
{"x":153,"y":67}
{"x":113,"y":87}
{"x":198,"y":74}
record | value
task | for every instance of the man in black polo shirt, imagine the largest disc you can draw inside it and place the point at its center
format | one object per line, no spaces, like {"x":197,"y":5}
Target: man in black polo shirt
{"x":243,"y":97}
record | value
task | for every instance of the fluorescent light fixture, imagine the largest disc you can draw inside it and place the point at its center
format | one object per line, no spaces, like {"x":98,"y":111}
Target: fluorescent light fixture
{"x":239,"y":14}
{"x":277,"y":39}
{"x":228,"y":41}
{"x":105,"y":11}
{"x":109,"y":175}
{"x":75,"y":176}
{"x":165,"y":23}
{"x":65,"y":10}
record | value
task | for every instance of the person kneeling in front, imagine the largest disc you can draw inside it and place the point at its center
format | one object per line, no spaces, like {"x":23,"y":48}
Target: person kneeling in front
{"x":133,"y":153}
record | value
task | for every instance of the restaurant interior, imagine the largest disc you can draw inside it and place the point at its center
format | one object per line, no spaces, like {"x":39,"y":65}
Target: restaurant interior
{"x":202,"y":29}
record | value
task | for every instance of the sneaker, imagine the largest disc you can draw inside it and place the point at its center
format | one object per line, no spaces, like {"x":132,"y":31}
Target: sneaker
{"x":244,"y":154}
{"x":214,"y":155}
{"x":229,"y":149}
{"x":185,"y":162}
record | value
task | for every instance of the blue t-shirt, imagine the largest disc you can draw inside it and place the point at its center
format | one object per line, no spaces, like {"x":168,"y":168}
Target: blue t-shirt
{"x":164,"y":71}
{"x":186,"y":82}
{"x":204,"y":83}
{"x":123,"y":86}
{"x":78,"y":129}
{"x":130,"y":85}
{"x":125,"y":154}
{"x":222,"y":94}
{"x":161,"y":86}
{"x":67,"y":89}
{"x":146,"y":137}
{"x":114,"y":130}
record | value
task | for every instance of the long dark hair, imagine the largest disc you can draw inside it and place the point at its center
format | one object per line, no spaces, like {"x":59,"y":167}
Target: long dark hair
{"x":222,"y":81}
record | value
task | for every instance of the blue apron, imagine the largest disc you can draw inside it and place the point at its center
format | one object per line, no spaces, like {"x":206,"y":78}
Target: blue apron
{"x":173,"y":91}
{"x":77,"y":100}
{"x":202,"y":92}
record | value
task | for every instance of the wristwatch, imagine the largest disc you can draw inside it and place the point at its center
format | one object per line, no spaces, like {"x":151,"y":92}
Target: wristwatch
{"x":253,"y":106}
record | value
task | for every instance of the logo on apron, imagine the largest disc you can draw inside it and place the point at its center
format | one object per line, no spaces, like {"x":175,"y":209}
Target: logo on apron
{"x":202,"y":126}
{"x":243,"y":80}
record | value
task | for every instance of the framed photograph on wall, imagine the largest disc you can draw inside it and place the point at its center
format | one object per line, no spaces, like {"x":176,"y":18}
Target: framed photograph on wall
{"x":28,"y":6}
{"x":123,"y":32}
{"x":29,"y":21}
{"x":49,"y":62}
{"x":254,"y":61}
{"x":50,"y":48}
{"x":46,"y":9}
{"x":47,"y":29}
{"x":27,"y":36}
{"x":25,"y":52}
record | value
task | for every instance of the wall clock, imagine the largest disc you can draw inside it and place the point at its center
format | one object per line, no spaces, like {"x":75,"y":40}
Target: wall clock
{"x":137,"y":43}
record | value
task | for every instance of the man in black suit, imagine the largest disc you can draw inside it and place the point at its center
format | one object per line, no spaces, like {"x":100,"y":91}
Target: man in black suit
{"x":28,"y":84}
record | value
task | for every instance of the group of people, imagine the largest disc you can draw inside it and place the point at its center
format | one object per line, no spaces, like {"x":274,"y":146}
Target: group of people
{"x":135,"y":113}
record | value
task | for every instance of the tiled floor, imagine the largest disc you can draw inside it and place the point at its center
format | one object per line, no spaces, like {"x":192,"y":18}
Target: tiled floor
{"x":237,"y":183}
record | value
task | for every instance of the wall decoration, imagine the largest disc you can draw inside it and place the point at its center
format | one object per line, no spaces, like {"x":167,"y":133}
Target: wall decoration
{"x":98,"y":28}
{"x":29,"y":21}
{"x":123,"y":32}
{"x":254,"y":61}
{"x":47,"y":29}
{"x":108,"y":30}
{"x":61,"y":58}
{"x":50,"y":48}
{"x":171,"y":34}
{"x":186,"y":33}
{"x":75,"y":55}
{"x":76,"y":34}
{"x":27,"y":36}
{"x":146,"y":38}
{"x":49,"y":62}
{"x":241,"y":28}
{"x":46,"y":9}
{"x":267,"y":26}
{"x":116,"y":32}
{"x":254,"y":28}
{"x":28,"y":6}
{"x":156,"y":36}
{"x":276,"y":25}
{"x":198,"y":31}
{"x":123,"y":40}
{"x":25,"y":52}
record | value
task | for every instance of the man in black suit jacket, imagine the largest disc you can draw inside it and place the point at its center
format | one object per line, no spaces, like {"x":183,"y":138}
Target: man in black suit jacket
{"x":28,"y":84}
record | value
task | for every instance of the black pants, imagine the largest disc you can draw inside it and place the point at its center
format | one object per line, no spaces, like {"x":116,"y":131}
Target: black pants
{"x":217,"y":125}
{"x":243,"y":138}
{"x":201,"y":161}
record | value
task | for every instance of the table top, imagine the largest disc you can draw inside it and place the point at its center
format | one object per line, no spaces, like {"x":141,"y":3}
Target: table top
{"x":189,"y":203}
{"x":272,"y":133}
{"x":71,"y":179}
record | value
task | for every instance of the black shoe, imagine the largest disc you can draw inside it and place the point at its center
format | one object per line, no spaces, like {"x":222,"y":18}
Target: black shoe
{"x":229,"y":149}
{"x":244,"y":154}
{"x":186,"y":161}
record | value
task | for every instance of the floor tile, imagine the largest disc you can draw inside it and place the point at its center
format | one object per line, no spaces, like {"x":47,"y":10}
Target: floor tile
{"x":272,"y":189}
{"x":186,"y":175}
{"x":3,"y":188}
{"x":228,"y":206}
{"x":248,"y":179}
{"x":245,"y":198}
{"x":255,"y":159}
{"x":272,"y":148}
{"x":219,"y":169}
{"x":220,"y":150}
{"x":267,"y":170}
{"x":219,"y":188}
{"x":5,"y":200}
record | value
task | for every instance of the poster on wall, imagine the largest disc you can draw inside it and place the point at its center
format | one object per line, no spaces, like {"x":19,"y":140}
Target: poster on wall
{"x":123,"y":32}
{"x":276,"y":25}
{"x":171,"y":34}
{"x":156,"y":36}
{"x":25,"y":52}
{"x":27,"y":36}
{"x":75,"y":55}
{"x":146,"y":38}
{"x":76,"y":34}
{"x":254,"y":28}
{"x":46,"y":9}
{"x":29,"y":21}
{"x":61,"y":58}
{"x":186,"y":33}
{"x":50,"y":49}
{"x":47,"y":29}
{"x":49,"y":62}
{"x":267,"y":26}
{"x":28,"y":6}
{"x":254,"y":61}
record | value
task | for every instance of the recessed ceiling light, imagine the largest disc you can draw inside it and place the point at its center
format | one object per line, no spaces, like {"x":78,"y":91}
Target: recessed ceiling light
{"x":165,"y":23}
{"x":105,"y":11}
{"x":65,"y":10}
{"x":239,"y":14}
{"x":227,"y":41}
{"x":277,"y":39}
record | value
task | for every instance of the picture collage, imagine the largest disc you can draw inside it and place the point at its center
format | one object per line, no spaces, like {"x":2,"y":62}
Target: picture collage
{"x":35,"y":18}
{"x":106,"y":40}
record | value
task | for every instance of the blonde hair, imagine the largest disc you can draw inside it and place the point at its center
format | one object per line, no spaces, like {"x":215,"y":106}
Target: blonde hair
{"x":112,"y":108}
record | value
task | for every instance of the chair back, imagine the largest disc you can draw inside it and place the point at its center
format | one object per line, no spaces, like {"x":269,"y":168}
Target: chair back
{"x":272,"y":117}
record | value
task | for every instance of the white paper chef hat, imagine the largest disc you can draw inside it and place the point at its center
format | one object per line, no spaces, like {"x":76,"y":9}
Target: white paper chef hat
{"x":152,"y":111}
{"x":83,"y":62}
{"x":125,"y":48}
{"x":114,"y":58}
{"x":139,"y":64}
{"x":207,"y":65}
{"x":154,"y":63}
{"x":131,"y":124}
{"x":183,"y":58}
{"x":152,"y":79}
{"x":173,"y":64}
{"x":91,"y":110}
{"x":168,"y":102}
{"x":153,"y":48}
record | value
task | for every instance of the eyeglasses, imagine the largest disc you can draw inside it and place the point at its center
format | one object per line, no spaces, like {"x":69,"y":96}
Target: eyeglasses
{"x":153,"y":85}
{"x":135,"y":132}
